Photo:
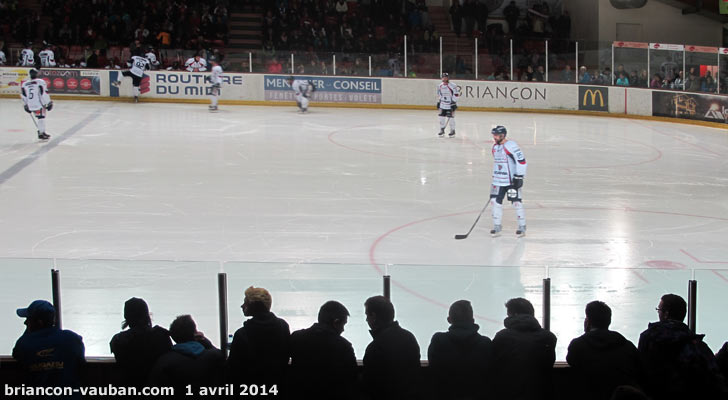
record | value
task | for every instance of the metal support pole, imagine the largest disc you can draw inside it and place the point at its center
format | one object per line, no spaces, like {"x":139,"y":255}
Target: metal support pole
{"x":223,"y":311}
{"x":370,"y":65}
{"x":333,"y":63}
{"x":717,"y":81}
{"x":692,"y":304}
{"x":576,"y":66}
{"x":685,"y":73}
{"x":649,"y":77}
{"x":612,"y":70}
{"x":511,"y":59}
{"x":476,"y":59}
{"x":405,"y":56}
{"x":440,"y":55}
{"x":56,"y":290}
{"x":250,"y":62}
{"x":387,"y":287}
{"x":293,"y":70}
{"x":547,"y":61}
{"x":547,"y":304}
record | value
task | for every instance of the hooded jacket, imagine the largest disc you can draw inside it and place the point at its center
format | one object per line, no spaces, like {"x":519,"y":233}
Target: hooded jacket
{"x":189,"y":363}
{"x":602,"y":360}
{"x":136,"y":350}
{"x":524,"y":354}
{"x":460,"y":360}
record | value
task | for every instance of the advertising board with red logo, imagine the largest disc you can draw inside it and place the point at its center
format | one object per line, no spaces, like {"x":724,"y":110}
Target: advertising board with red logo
{"x":68,"y":81}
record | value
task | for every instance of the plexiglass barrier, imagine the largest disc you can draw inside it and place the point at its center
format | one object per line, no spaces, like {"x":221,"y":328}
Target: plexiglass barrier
{"x":93,"y":293}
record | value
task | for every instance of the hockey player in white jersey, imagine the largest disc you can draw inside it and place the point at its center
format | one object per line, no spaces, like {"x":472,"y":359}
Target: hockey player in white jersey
{"x":196,"y":64}
{"x":447,"y":103}
{"x":47,"y":57}
{"x":137,"y":66}
{"x":36,"y":101}
{"x":509,"y":169}
{"x":152,"y":58}
{"x":303,"y":90}
{"x":27,"y":57}
{"x":215,"y":79}
{"x":3,"y":60}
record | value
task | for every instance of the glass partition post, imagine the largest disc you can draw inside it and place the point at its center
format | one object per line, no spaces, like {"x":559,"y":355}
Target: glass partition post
{"x":576,"y":62}
{"x":692,"y":303}
{"x":476,"y":59}
{"x":370,"y":65}
{"x":250,"y":62}
{"x":546,"y":49}
{"x":333,"y":64}
{"x":511,"y":56}
{"x":440,"y":55}
{"x":612,"y":67}
{"x":405,"y":56}
{"x":56,"y":293}
{"x":222,"y":310}
{"x":293,"y":69}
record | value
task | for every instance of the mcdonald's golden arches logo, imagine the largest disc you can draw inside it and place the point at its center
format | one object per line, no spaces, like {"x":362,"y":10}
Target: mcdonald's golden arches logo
{"x":594,"y":98}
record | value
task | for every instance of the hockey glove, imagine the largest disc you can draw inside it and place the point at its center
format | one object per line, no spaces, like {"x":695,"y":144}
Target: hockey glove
{"x":454,"y":107}
{"x":25,"y":107}
{"x":207,"y":78}
{"x":517,"y":181}
{"x":438,"y":105}
{"x":49,"y":106}
{"x":216,"y":86}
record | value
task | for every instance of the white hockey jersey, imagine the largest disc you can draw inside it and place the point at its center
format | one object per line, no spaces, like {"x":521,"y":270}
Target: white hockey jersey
{"x":508,"y":161}
{"x":447,"y":94}
{"x":301,"y":87}
{"x":3,"y":60}
{"x":27,"y":58}
{"x":34,"y":94}
{"x":137,"y":65}
{"x":196,"y":66}
{"x":47,"y":58}
{"x":152,"y":58}
{"x":216,"y":75}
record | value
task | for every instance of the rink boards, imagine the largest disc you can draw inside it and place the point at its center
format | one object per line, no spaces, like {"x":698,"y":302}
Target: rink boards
{"x":376,"y":92}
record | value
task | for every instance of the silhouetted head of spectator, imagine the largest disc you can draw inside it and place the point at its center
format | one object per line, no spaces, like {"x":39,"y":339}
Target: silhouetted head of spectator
{"x":598,"y":316}
{"x":258,"y":301}
{"x":518,"y":306}
{"x":136,"y":313}
{"x":333,"y":314}
{"x":672,"y":307}
{"x":183,"y":329}
{"x":40,"y":314}
{"x":626,"y":392}
{"x":460,"y":313}
{"x":379,"y":311}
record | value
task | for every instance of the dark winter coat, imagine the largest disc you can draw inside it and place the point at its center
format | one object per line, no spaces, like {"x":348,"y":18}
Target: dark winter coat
{"x":189,"y":363}
{"x":602,"y":360}
{"x":722,"y":358}
{"x":678,"y":364}
{"x":392,"y":364}
{"x":136,"y":350}
{"x":260,"y":350}
{"x":460,"y":361}
{"x":50,"y":357}
{"x":323,"y":364}
{"x":524,"y":355}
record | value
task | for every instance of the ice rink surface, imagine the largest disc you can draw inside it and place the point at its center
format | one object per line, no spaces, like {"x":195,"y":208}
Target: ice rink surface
{"x":153,"y":200}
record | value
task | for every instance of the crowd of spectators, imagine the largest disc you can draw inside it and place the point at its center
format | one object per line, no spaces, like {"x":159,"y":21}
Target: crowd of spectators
{"x":669,"y":362}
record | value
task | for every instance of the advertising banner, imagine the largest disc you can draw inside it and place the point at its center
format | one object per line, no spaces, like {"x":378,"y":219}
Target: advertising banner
{"x":594,"y":98}
{"x":11,"y":78}
{"x":183,"y":84}
{"x":72,"y":81}
{"x":690,"y":106}
{"x":502,"y":94}
{"x":328,"y":89}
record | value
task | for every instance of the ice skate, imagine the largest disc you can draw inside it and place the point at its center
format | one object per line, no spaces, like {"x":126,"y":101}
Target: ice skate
{"x":116,"y":83}
{"x":452,"y":133}
{"x":136,"y":99}
{"x":43,"y":136}
{"x":496,"y":231}
{"x":521,"y":232}
{"x":441,"y":133}
{"x":212,"y":108}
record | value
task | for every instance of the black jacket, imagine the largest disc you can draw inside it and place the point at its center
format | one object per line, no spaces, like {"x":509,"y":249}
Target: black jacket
{"x":136,"y":350}
{"x":323,"y":364}
{"x":189,"y":363}
{"x":602,"y":360}
{"x":524,"y":355}
{"x":678,"y":364}
{"x":460,"y":361}
{"x":259,"y":351}
{"x":392,"y":364}
{"x":722,"y":358}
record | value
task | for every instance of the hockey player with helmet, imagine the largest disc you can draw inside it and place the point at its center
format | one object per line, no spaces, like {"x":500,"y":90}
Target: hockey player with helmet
{"x":47,"y":57}
{"x":196,"y":64}
{"x":36,"y":101}
{"x":215,"y":79}
{"x":509,"y":169}
{"x":303,"y":90}
{"x":447,"y":103}
{"x":27,"y":57}
{"x":3,"y":60}
{"x":137,"y":66}
{"x":152,"y":58}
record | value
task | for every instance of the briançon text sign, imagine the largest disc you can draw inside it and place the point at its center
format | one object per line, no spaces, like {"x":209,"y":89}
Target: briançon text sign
{"x":328,"y":89}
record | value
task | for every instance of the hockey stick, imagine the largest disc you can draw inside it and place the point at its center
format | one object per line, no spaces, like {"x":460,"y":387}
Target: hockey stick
{"x":33,"y":118}
{"x":458,"y":237}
